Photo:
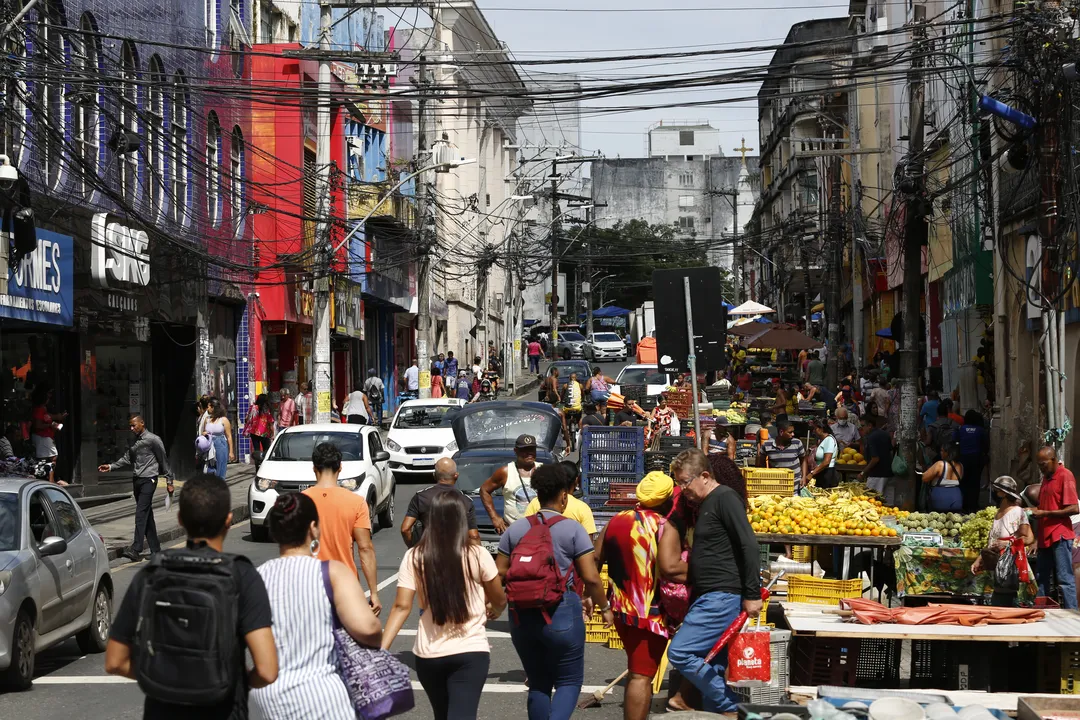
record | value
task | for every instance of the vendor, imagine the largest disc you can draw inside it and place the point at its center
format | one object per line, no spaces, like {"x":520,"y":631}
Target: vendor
{"x":1010,"y":521}
{"x":825,"y":455}
{"x":845,"y":431}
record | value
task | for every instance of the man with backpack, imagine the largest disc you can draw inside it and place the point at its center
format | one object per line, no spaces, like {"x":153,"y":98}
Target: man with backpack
{"x":375,"y":391}
{"x":171,"y":603}
{"x":540,"y":556}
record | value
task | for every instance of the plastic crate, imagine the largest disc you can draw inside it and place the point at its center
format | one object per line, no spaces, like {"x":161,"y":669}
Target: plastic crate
{"x":614,"y":641}
{"x":624,"y":439}
{"x":764,"y":611}
{"x":660,"y":460}
{"x":669,"y":442}
{"x":878,"y":664}
{"x":597,"y":636}
{"x":769,"y":481}
{"x":1069,"y":671}
{"x":763,"y":548}
{"x":824,"y":661}
{"x":802,"y":553}
{"x":622,"y":494}
{"x":954,"y":665}
{"x":809,"y":589}
{"x":596,"y":488}
{"x":613,"y":461}
{"x":780,"y":677}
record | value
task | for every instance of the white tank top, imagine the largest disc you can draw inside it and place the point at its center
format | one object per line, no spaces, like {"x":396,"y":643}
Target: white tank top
{"x":517,"y":493}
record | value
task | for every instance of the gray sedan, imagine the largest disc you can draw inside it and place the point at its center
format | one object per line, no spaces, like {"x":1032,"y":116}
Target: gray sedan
{"x":54,"y":578}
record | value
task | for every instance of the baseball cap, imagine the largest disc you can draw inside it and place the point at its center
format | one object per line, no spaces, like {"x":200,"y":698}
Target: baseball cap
{"x":525,"y":442}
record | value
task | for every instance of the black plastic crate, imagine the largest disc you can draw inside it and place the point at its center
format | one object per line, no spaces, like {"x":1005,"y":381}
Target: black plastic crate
{"x":950,"y":665}
{"x":878,"y":664}
{"x":668,"y":442}
{"x":824,"y":661}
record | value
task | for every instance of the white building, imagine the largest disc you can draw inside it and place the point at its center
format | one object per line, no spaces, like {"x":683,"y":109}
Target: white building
{"x":682,"y":140}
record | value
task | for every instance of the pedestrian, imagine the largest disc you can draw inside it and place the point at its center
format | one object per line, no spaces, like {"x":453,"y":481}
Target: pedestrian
{"x":451,"y":366}
{"x":464,"y":387}
{"x":576,"y":509}
{"x":412,"y":378}
{"x":344,"y":520}
{"x":878,"y":452}
{"x":629,"y":543}
{"x":845,"y":431}
{"x":202,"y":408}
{"x":305,"y":595}
{"x":260,"y":428}
{"x":416,"y":516}
{"x":458,"y":588}
{"x":591,"y":415}
{"x":1010,"y":521}
{"x":815,"y":371}
{"x":723,"y":576}
{"x":785,"y":451}
{"x":744,"y":381}
{"x":438,"y":364}
{"x":436,"y":384}
{"x":944,"y":478}
{"x":973,"y":448}
{"x":879,"y":396}
{"x":535,"y":353}
{"x":953,"y":402}
{"x":928,"y":410}
{"x":287,"y":415}
{"x":44,"y":425}
{"x":178,"y":677}
{"x":1057,"y":504}
{"x":825,"y":455}
{"x":376,"y":393}
{"x":305,"y":404}
{"x":573,"y":397}
{"x":550,"y":387}
{"x":147,"y":460}
{"x":219,"y":430}
{"x":515,"y":480}
{"x":599,"y":387}
{"x":357,"y":409}
{"x":550,"y":636}
{"x":939,"y":432}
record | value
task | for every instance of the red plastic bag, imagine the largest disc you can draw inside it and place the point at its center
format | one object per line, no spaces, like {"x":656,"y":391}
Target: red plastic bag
{"x":750,"y":659}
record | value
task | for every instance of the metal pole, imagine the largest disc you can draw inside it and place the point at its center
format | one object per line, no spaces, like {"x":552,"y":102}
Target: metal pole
{"x":692,"y":358}
{"x":588,"y":276}
{"x":423,"y":275}
{"x":554,"y":334}
{"x":735,"y":232}
{"x":832,"y":369}
{"x":323,"y":255}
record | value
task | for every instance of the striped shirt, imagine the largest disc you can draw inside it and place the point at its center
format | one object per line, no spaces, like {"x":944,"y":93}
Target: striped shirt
{"x":786,"y":457}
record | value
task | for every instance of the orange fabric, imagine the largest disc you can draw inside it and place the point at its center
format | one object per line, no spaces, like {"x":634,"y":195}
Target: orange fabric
{"x":646,"y":351}
{"x":869,"y":612}
{"x":340,"y":512}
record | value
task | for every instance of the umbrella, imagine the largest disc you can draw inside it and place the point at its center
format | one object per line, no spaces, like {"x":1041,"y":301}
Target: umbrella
{"x":884,"y":333}
{"x":782,"y":337}
{"x":750,"y":308}
{"x":749,"y":329}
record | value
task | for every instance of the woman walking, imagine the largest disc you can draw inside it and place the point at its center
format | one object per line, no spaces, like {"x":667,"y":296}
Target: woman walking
{"x":436,"y":383}
{"x":219,"y":430}
{"x":1011,"y":521}
{"x":305,"y":595}
{"x":260,"y":428}
{"x":945,"y":478}
{"x":459,"y":591}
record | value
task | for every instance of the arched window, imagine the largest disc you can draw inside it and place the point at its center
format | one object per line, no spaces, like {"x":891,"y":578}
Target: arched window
{"x":49,"y":69}
{"x":155,"y":137}
{"x":129,"y":120}
{"x":85,"y":100}
{"x":179,"y":166}
{"x":236,"y":178}
{"x":213,"y":169}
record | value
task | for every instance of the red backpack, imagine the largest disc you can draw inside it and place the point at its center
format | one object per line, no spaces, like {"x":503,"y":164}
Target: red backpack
{"x":534,"y":580}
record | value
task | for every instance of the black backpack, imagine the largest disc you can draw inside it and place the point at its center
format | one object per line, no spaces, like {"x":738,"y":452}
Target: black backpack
{"x":374,"y":395}
{"x":187,"y":650}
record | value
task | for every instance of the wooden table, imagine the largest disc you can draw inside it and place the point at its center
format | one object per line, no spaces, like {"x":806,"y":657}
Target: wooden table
{"x":834,"y":540}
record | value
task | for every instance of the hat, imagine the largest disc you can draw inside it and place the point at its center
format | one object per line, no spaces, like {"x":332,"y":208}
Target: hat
{"x":654,"y":489}
{"x":1006,"y":485}
{"x":525,"y":442}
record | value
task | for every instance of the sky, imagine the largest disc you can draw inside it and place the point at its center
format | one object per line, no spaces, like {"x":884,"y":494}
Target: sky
{"x":621,"y":27}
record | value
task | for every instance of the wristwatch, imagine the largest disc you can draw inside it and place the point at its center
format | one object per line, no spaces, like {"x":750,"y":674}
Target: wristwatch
{"x":605,"y":608}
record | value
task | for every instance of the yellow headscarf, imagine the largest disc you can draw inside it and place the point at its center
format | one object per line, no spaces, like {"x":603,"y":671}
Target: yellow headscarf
{"x":654,"y":489}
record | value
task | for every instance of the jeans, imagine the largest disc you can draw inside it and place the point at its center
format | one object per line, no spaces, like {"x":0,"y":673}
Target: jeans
{"x":143,"y":490}
{"x":376,"y":410}
{"x":534,"y":364}
{"x":946,"y":499}
{"x":259,"y":446}
{"x":707,"y":619}
{"x":453,"y":683}
{"x":553,"y":656}
{"x":1057,"y":560}
{"x":221,"y":456}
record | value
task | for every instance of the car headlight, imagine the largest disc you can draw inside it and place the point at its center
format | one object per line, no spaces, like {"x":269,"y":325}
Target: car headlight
{"x":263,"y":484}
{"x":394,"y":447}
{"x":452,"y":447}
{"x":5,"y":581}
{"x":351,"y":483}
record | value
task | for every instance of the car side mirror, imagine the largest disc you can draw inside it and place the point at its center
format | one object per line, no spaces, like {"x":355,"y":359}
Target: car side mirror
{"x":52,"y":545}
{"x":382,"y":456}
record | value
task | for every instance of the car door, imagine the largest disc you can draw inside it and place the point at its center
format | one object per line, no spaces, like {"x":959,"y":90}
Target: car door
{"x":382,"y":485}
{"x":82,"y":550}
{"x":55,"y":574}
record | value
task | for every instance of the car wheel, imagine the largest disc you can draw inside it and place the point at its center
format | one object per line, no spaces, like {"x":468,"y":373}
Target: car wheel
{"x":260,"y":533}
{"x":94,"y":638}
{"x":20,"y":675}
{"x":375,"y":525}
{"x":386,"y":517}
{"x":566,"y":354}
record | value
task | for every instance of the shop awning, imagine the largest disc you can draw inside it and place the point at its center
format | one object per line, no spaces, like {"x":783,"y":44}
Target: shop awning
{"x":782,"y":337}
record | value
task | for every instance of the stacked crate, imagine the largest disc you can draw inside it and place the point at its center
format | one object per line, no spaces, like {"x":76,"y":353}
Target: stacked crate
{"x":775,"y":693}
{"x":612,"y":464}
{"x":595,"y":630}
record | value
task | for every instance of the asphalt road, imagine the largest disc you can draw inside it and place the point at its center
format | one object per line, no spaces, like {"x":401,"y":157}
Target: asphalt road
{"x":69,"y":682}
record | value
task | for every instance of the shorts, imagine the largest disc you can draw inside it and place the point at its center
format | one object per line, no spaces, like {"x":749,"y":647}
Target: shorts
{"x":44,"y":447}
{"x":644,"y":649}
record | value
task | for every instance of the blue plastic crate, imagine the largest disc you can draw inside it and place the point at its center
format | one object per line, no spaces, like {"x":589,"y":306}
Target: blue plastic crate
{"x":612,"y":438}
{"x":611,"y":461}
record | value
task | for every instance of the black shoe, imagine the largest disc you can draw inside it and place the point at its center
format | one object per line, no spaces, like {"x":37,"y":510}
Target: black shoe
{"x":130,"y":554}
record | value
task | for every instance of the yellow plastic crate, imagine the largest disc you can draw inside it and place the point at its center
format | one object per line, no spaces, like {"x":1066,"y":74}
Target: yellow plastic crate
{"x":614,"y":641}
{"x":764,"y":610}
{"x":769,"y":481}
{"x":802,"y":553}
{"x":809,"y":589}
{"x":597,"y":636}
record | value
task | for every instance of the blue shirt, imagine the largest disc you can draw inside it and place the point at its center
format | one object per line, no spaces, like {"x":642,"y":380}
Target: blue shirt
{"x":972,"y":440}
{"x":928,"y":413}
{"x":451,"y":367}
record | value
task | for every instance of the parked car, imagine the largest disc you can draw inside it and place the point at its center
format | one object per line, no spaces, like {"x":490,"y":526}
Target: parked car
{"x":485,"y":434}
{"x":365,"y":470}
{"x":420,"y":434}
{"x":54,"y":577}
{"x":606,"y":346}
{"x":655,"y":379}
{"x":582,"y":367}
{"x":569,"y":345}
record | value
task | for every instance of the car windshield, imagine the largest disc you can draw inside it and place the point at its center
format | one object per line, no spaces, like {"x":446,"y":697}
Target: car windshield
{"x":642,"y":376}
{"x":576,"y":337}
{"x":565,"y":368}
{"x":425,"y":416}
{"x":502,"y":424}
{"x":471,"y":475}
{"x":607,"y":337}
{"x":9,"y":521}
{"x":298,"y":446}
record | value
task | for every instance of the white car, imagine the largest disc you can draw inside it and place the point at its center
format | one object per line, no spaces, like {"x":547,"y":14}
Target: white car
{"x":421,"y":434}
{"x":287,"y":468}
{"x":652,"y":377}
{"x":605,"y":346}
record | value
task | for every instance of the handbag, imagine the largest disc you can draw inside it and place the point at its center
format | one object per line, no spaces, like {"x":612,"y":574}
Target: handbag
{"x":899,"y":464}
{"x":378,"y":683}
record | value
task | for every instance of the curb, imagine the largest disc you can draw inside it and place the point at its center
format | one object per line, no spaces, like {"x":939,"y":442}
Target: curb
{"x":126,"y":506}
{"x":239,"y":513}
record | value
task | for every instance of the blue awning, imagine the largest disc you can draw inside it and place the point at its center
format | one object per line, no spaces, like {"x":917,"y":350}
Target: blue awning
{"x":609,"y":312}
{"x":884,"y":333}
{"x":527,"y":322}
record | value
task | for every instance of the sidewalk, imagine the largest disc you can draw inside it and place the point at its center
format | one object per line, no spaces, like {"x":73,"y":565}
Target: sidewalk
{"x":116,"y":521}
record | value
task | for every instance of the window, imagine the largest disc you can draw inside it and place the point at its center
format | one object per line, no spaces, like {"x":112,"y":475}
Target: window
{"x":686,"y":179}
{"x":41,"y":522}
{"x":178,"y":165}
{"x":129,"y":120}
{"x":266,"y":22}
{"x":236,"y":178}
{"x":10,"y":522}
{"x":67,"y":516}
{"x":686,"y":137}
{"x":686,"y":222}
{"x":48,"y":93}
{"x":210,"y":16}
{"x":213,"y":169}
{"x":686,"y":201}
{"x":86,"y":99}
{"x":374,"y":445}
{"x":297,"y":446}
{"x":691,"y":158}
{"x":311,"y":198}
{"x":155,"y":141}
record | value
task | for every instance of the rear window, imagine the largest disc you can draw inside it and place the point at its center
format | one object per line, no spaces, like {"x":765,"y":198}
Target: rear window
{"x":426,"y":416}
{"x":642,"y":376}
{"x":298,"y":446}
{"x":607,"y":337}
{"x":571,"y":336}
{"x":502,"y":424}
{"x":565,"y":368}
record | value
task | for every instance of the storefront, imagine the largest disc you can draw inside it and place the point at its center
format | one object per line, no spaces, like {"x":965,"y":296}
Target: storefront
{"x":347,"y":323}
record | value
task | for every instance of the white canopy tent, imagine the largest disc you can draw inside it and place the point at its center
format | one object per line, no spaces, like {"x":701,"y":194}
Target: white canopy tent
{"x":750,"y":308}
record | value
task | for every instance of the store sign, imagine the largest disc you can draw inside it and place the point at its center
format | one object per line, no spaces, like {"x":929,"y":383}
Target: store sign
{"x":40,"y":289}
{"x":347,"y":310}
{"x":119,"y":255}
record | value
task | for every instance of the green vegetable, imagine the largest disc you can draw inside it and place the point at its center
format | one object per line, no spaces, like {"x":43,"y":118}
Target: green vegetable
{"x":975,"y":533}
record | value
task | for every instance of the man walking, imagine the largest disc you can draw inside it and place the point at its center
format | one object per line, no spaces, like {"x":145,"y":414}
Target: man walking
{"x":1057,"y":504}
{"x":305,"y":406}
{"x":785,"y":451}
{"x":147,"y":460}
{"x":412,"y":378}
{"x":375,"y":391}
{"x":450,"y":367}
{"x":815,"y":371}
{"x":723,"y":572}
{"x":877,"y":449}
{"x":446,"y":476}
{"x":515,"y":479}
{"x":287,"y":414}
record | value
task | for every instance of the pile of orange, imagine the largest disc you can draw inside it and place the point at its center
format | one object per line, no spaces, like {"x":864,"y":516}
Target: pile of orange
{"x":835,"y":514}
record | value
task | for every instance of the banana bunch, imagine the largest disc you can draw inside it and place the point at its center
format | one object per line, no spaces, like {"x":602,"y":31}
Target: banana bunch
{"x":833,"y":512}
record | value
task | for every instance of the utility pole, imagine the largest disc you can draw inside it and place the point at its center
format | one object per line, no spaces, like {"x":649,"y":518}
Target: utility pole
{"x":323,"y":254}
{"x":423,"y":274}
{"x":915,"y":237}
{"x":587,"y":285}
{"x":555,"y":231}
{"x":832,"y":254}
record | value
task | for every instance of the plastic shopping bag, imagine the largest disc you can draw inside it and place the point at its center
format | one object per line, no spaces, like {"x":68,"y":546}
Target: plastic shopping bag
{"x":1006,"y":572}
{"x":749,"y":659}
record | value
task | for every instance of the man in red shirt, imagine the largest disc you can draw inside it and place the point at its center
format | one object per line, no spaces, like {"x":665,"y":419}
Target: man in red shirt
{"x":1057,"y":504}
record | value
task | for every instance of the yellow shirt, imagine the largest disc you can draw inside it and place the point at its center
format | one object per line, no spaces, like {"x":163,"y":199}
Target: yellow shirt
{"x":575,"y":510}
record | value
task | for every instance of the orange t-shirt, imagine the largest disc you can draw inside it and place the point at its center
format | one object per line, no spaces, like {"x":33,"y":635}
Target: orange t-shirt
{"x":340,"y":512}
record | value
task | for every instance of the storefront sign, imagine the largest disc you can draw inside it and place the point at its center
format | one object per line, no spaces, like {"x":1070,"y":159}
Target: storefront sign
{"x":40,"y":289}
{"x":347,"y":310}
{"x":119,"y":255}
{"x":275,"y":327}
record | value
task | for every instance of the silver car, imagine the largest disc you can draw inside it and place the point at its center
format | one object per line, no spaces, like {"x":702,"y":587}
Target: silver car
{"x":54,"y":577}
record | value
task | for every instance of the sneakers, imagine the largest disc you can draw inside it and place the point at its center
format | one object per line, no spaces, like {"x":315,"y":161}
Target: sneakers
{"x":130,"y":554}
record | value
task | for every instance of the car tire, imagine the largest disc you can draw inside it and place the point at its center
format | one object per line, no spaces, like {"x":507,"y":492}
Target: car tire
{"x":20,"y":675}
{"x":95,"y":637}
{"x":566,"y":354}
{"x":260,"y":533}
{"x":371,"y":514}
{"x":386,"y":517}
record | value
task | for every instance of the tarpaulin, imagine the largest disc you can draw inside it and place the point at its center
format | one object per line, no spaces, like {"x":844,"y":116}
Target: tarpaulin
{"x":869,"y":612}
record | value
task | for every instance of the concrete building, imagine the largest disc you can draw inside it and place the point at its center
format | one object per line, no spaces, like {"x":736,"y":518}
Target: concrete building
{"x":686,"y":140}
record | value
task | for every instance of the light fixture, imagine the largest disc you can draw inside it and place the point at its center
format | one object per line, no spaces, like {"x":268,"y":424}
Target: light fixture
{"x":9,"y":175}
{"x":123,"y":143}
